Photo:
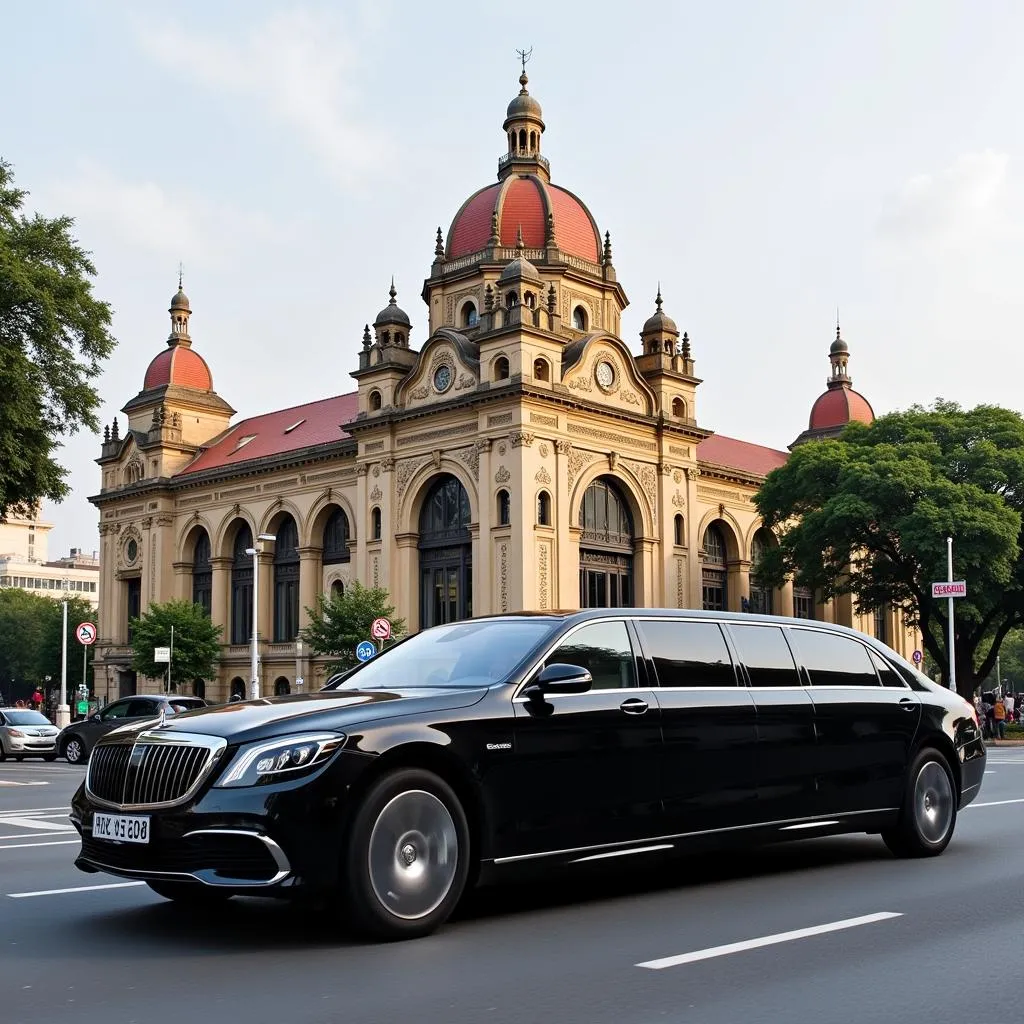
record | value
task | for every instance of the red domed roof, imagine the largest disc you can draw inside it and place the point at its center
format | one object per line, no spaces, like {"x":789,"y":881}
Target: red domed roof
{"x":179,"y":366}
{"x":839,"y":406}
{"x":524,"y":201}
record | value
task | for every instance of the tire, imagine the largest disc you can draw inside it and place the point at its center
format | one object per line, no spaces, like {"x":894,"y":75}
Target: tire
{"x":74,"y":750}
{"x":3,"y":753}
{"x":928,"y":814}
{"x":191,"y":894}
{"x":407,"y":857}
{"x":49,"y":757}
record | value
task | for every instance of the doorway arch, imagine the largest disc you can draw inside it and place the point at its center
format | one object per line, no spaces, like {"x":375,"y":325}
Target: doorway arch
{"x":445,"y":553}
{"x":606,"y":547}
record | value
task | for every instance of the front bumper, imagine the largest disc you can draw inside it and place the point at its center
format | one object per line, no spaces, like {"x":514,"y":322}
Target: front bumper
{"x":269,"y":840}
{"x":30,"y":745}
{"x":972,"y":772}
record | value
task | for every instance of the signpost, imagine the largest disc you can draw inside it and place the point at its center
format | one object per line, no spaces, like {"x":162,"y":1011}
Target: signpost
{"x":950,"y":590}
{"x":918,"y":657}
{"x":365,"y":650}
{"x":380,"y":629}
{"x":86,"y":634}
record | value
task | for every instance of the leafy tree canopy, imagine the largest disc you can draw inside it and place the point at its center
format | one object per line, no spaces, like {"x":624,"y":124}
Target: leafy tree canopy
{"x":196,"y":642}
{"x":338,"y":624}
{"x":868,"y":514}
{"x":53,"y":336}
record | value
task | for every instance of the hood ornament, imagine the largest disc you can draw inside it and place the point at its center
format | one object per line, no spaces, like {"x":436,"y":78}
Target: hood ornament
{"x":163,"y":716}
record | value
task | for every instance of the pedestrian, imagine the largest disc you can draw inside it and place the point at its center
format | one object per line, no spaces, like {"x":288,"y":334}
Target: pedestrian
{"x":1010,"y":705}
{"x":37,"y":698}
{"x":999,"y":717}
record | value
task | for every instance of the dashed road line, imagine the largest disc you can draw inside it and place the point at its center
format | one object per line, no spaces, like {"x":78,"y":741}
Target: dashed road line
{"x":33,"y":846}
{"x":77,"y":888}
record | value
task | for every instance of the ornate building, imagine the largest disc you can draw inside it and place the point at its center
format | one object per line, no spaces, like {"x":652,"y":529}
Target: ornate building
{"x":521,"y":457}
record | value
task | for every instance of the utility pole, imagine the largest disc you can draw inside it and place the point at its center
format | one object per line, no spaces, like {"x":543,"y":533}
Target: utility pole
{"x":952,"y":651}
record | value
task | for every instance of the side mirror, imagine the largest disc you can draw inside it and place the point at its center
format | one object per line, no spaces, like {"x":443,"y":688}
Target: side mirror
{"x":560,"y":678}
{"x":94,"y":717}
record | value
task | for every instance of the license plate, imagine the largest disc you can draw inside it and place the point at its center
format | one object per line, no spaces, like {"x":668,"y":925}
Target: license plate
{"x":121,"y":828}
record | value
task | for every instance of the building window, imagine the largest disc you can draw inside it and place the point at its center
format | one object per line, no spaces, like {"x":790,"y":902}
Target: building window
{"x":470,"y":317}
{"x":714,"y":577}
{"x":606,"y":547}
{"x":678,"y":530}
{"x":579,"y":318}
{"x":529,"y":300}
{"x":241,"y":587}
{"x":336,"y":538}
{"x":238,"y":687}
{"x":375,"y":401}
{"x":501,"y":368}
{"x":803,"y":603}
{"x":375,"y":524}
{"x":511,"y":300}
{"x":337,"y":590}
{"x":878,"y":624}
{"x":543,"y":509}
{"x":761,"y":597}
{"x":282,"y":687}
{"x":540,"y":370}
{"x":202,"y":573}
{"x":504,"y":508}
{"x":678,"y":408}
{"x":134,"y":605}
{"x":286,"y":582}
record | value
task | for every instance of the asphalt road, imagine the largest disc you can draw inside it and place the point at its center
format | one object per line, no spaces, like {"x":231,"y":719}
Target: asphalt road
{"x":568,"y":950}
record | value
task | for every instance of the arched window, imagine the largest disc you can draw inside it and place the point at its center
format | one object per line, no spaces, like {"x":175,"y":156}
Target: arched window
{"x":511,"y":300}
{"x":541,"y":370}
{"x":241,"y":587}
{"x":543,"y":509}
{"x":336,"y":538}
{"x":375,"y":526}
{"x":761,"y":597}
{"x":375,"y":401}
{"x":199,"y":688}
{"x":678,"y":530}
{"x":579,"y":318}
{"x":529,"y":300}
{"x":286,"y":582}
{"x":337,"y":590}
{"x":533,"y":141}
{"x":679,"y":408}
{"x":238,"y":687}
{"x":501,"y":368}
{"x":522,"y":139}
{"x":504,"y":508}
{"x":470,"y":317}
{"x":713,"y":570}
{"x":606,"y":547}
{"x":446,"y":553}
{"x":399,"y":338}
{"x":202,"y":573}
{"x":281,"y":687}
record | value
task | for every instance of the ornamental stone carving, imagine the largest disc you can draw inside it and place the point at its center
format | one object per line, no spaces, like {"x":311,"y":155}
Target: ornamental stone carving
{"x":542,"y":476}
{"x":471,"y":457}
{"x":542,"y":564}
{"x":665,"y":469}
{"x":678,"y":500}
{"x":376,"y":494}
{"x":577,"y":460}
{"x":362,"y":469}
{"x":376,"y":470}
{"x":645,"y":473}
{"x":423,"y":391}
{"x":502,"y":476}
{"x":387,"y":463}
{"x":406,"y":471}
{"x":521,"y":438}
{"x":503,"y":577}
{"x":563,"y":447}
{"x":543,"y":449}
{"x":677,"y":476}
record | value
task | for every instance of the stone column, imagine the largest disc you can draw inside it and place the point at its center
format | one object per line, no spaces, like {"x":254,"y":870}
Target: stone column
{"x":311,"y":576}
{"x":567,"y":587}
{"x":738,"y":587}
{"x":264,"y":627}
{"x":360,"y":566}
{"x":483,"y":549}
{"x":784,"y":599}
{"x":693,"y":538}
{"x":182,"y":581}
{"x":219,"y":596}
{"x":406,"y":596}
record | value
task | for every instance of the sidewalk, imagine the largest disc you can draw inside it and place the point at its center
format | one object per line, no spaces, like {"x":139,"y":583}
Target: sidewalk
{"x":1004,"y":743}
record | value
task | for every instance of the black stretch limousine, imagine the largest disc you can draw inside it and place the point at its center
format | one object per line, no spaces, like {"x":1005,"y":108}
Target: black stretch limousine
{"x":548,"y":738}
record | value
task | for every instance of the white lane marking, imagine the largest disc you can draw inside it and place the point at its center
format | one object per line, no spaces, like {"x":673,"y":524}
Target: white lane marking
{"x":77,"y":888}
{"x":996,"y":803}
{"x":33,"y":835}
{"x":33,"y":810}
{"x":34,"y":823}
{"x":6,"y":782}
{"x":767,"y":940}
{"x":990,"y":773}
{"x":622,"y":853}
{"x":32,"y":846}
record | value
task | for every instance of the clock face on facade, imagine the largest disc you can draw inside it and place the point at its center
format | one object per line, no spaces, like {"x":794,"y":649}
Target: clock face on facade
{"x":443,"y":378}
{"x":605,"y":374}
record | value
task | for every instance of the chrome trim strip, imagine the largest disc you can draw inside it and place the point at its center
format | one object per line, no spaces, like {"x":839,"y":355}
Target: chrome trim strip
{"x":686,"y":835}
{"x":214,"y":745}
{"x":808,"y":824}
{"x":623,"y":853}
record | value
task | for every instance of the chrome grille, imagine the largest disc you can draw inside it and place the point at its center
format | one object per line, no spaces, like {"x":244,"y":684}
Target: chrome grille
{"x":157,"y":770}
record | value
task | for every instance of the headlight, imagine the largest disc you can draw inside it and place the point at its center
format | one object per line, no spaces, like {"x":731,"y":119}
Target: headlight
{"x":272,"y":760}
{"x":16,"y":732}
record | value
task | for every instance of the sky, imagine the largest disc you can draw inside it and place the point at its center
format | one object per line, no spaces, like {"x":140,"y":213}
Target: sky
{"x":767,"y":163}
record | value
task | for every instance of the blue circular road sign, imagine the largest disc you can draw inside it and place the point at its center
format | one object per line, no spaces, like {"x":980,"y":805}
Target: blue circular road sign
{"x":365,"y":650}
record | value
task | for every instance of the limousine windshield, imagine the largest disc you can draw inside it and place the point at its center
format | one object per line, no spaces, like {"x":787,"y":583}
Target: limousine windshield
{"x":466,"y":654}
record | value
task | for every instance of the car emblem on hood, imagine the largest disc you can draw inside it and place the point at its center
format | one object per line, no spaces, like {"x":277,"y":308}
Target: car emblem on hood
{"x":163,"y":716}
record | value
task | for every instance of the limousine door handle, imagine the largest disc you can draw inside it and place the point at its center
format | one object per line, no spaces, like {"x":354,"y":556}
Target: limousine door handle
{"x":908,"y":704}
{"x":633,"y":706}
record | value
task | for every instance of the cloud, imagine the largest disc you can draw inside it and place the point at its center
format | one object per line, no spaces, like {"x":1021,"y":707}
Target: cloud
{"x":301,"y":67}
{"x":964,"y":203}
{"x":145,"y":215}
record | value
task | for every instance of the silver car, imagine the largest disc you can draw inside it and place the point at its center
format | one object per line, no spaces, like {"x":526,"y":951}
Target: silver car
{"x":26,"y":733}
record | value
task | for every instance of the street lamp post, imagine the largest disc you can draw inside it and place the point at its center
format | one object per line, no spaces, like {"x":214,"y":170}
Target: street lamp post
{"x":254,"y":655}
{"x":63,"y":711}
{"x":298,"y":666}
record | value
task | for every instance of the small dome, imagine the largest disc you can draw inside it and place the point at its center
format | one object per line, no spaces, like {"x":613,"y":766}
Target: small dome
{"x":181,"y":367}
{"x":520,"y":269}
{"x":524,"y":105}
{"x":839,"y":406}
{"x":838,"y":345}
{"x":392,"y":313}
{"x":180,"y":301}
{"x":660,"y":322}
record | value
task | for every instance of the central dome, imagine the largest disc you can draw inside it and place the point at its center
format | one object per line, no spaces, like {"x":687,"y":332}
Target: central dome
{"x":524,"y":201}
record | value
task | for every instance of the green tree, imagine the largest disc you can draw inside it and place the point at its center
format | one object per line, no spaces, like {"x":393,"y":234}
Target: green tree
{"x":53,"y":336}
{"x":868,"y":514}
{"x":196,"y":642}
{"x":338,"y":625}
{"x":1011,"y":663}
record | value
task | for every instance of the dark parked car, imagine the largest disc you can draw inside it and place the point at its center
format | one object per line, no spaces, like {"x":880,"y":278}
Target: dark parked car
{"x":76,"y":741}
{"x":536,"y":738}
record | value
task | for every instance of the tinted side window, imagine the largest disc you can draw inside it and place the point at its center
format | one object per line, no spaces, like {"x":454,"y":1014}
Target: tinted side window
{"x":888,"y":675}
{"x":604,"y":650}
{"x":688,"y":653}
{"x":763,"y":649}
{"x":833,"y":660}
{"x":116,"y":710}
{"x":142,"y":709}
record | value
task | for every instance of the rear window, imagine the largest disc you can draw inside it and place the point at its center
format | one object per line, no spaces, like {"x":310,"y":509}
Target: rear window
{"x":690,"y":654}
{"x":834,"y":660}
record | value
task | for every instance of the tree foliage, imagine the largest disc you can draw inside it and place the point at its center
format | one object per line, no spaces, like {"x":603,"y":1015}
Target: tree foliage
{"x":338,"y":624}
{"x":196,"y":642}
{"x":53,"y":336}
{"x":30,"y":642}
{"x":868,"y":514}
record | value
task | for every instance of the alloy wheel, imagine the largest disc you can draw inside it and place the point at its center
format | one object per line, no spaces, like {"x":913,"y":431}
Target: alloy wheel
{"x":933,"y":802}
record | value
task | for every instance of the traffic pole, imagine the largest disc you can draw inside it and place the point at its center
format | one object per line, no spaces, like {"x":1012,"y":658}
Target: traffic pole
{"x":63,"y":711}
{"x":952,"y":650}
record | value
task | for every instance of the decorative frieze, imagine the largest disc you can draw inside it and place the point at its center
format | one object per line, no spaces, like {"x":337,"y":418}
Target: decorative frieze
{"x":723,"y":495}
{"x":499,"y":419}
{"x":682,"y":450}
{"x":543,"y":567}
{"x":543,"y":419}
{"x":607,"y":435}
{"x":503,"y":576}
{"x":373,"y":446}
{"x":436,"y":435}
{"x":520,"y":438}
